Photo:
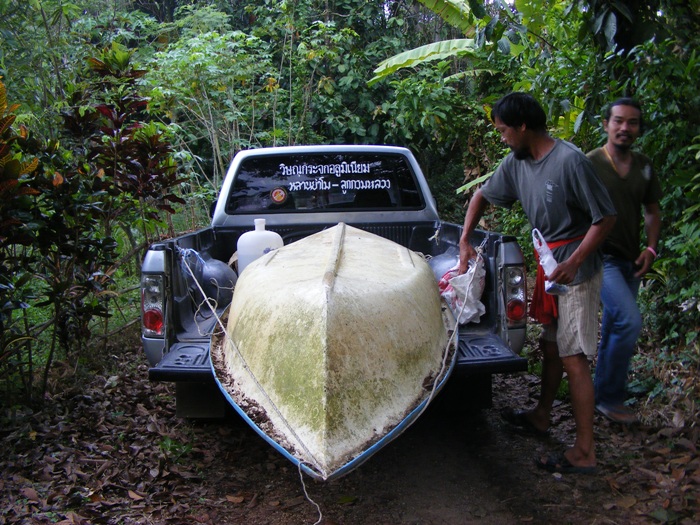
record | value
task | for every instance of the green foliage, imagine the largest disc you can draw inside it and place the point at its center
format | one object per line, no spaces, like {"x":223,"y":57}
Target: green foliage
{"x":173,"y":450}
{"x":562,"y":73}
{"x":671,"y":105}
{"x":457,"y":13}
{"x":222,"y":90}
{"x":331,"y":103}
{"x":58,"y":277}
{"x":74,"y":253}
{"x":671,"y":299}
{"x":296,"y":76}
{"x":421,"y":55}
{"x":132,"y":161}
{"x":693,"y":184}
{"x":221,"y":76}
{"x":15,"y":210}
{"x":620,"y":25}
{"x":59,"y":249}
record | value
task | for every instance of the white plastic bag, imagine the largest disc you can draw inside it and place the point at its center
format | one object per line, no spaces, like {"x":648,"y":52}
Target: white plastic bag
{"x":463,"y":292}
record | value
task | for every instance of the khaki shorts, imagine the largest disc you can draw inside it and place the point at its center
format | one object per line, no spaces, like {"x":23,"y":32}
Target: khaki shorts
{"x":576,"y":328}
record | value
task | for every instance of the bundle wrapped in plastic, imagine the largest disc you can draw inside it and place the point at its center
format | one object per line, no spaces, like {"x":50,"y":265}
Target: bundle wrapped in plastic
{"x":462,"y":292}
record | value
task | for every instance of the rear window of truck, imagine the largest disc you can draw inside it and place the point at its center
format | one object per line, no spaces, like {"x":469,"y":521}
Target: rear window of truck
{"x":324,"y":182}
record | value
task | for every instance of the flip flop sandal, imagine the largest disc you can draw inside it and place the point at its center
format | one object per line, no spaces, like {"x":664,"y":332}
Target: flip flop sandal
{"x":519,"y":419}
{"x":616,"y":415}
{"x":559,"y":463}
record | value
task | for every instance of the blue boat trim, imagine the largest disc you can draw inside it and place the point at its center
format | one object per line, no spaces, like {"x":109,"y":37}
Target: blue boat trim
{"x":363,"y":456}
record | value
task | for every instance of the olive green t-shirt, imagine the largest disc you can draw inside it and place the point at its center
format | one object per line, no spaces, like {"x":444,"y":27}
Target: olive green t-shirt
{"x":640,"y":187}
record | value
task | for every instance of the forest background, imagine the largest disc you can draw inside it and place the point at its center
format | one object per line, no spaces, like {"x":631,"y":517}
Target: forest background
{"x":119,"y":118}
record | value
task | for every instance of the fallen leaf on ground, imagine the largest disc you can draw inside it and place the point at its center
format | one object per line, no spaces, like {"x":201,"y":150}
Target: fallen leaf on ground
{"x":30,"y":494}
{"x":626,"y":502}
{"x":135,"y":496}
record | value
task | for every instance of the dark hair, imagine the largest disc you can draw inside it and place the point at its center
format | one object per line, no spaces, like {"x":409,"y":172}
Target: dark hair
{"x":516,"y":109}
{"x":624,"y":101}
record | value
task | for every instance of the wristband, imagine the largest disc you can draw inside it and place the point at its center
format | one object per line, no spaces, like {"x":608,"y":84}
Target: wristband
{"x":653,"y":252}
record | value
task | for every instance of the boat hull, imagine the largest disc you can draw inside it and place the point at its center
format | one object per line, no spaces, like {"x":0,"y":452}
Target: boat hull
{"x":334,"y":345}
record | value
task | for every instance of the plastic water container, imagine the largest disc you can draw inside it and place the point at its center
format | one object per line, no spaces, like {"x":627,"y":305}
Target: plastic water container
{"x":548,"y":263}
{"x":256,"y":243}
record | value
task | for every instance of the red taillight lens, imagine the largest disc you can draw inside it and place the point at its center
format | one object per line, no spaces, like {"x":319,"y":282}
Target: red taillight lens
{"x":515,"y":311}
{"x":153,"y":321}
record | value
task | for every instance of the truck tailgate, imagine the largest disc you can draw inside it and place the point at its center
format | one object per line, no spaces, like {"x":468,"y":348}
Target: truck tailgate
{"x":484,"y":352}
{"x":478,"y":352}
{"x":185,"y":362}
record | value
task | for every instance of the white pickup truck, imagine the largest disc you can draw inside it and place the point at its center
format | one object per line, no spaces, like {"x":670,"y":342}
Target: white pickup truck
{"x":301,"y":190}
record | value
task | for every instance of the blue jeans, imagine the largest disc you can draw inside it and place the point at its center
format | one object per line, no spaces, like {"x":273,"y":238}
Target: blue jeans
{"x":621,"y":325}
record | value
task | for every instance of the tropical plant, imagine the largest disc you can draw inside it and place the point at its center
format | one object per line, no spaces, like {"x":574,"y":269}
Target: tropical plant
{"x":658,"y":75}
{"x":114,"y":169}
{"x":15,"y":251}
{"x":222,"y":90}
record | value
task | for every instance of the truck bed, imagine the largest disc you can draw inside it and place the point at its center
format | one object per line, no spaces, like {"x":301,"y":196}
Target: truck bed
{"x":299,"y":191}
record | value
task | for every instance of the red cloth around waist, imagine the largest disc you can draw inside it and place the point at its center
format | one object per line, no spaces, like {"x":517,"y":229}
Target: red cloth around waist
{"x":543,"y":307}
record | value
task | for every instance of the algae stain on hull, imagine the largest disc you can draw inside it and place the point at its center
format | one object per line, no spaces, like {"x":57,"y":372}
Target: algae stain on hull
{"x":379,"y":362}
{"x":287,"y":360}
{"x":336,"y":368}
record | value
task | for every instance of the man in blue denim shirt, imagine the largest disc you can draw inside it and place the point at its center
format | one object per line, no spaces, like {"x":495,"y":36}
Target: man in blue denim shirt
{"x":633,"y":187}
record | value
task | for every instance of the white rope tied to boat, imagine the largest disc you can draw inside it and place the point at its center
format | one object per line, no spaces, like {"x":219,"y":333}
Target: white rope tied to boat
{"x":212,"y":307}
{"x":446,"y":353}
{"x":185,"y":253}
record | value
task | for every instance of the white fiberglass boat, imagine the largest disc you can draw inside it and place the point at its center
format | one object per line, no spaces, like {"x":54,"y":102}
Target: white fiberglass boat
{"x":334,"y":345}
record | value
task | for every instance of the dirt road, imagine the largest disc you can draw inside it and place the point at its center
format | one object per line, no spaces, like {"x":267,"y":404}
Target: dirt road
{"x":111,"y":451}
{"x":446,"y":469}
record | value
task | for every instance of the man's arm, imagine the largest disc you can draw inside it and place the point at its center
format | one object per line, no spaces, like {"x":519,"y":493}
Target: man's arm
{"x":565,"y":271}
{"x":475,"y":211}
{"x":652,"y":227}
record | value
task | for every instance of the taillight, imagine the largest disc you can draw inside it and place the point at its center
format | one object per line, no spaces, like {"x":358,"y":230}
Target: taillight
{"x":515,"y":295}
{"x":152,"y":321}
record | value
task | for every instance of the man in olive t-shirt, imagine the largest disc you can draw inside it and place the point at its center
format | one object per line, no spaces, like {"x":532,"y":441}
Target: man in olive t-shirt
{"x":633,"y":187}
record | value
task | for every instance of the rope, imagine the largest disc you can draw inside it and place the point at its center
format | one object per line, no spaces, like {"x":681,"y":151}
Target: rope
{"x":479,"y":251}
{"x":184,"y":252}
{"x":303,"y":486}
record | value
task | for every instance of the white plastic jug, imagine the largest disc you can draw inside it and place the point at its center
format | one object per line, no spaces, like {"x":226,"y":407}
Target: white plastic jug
{"x":256,"y":243}
{"x":548,"y":263}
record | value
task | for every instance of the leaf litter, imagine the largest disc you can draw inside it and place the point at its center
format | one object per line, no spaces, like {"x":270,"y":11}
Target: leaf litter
{"x":112,"y":451}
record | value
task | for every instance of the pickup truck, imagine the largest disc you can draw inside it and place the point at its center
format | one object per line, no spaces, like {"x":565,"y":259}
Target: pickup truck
{"x":301,"y":190}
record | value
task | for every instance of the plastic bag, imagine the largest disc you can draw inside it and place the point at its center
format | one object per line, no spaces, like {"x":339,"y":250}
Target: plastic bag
{"x":213,"y":277}
{"x":463,"y":292}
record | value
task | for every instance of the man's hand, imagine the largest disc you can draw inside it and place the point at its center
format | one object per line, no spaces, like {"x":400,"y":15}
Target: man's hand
{"x":565,"y":272}
{"x":644,"y":262}
{"x":476,"y":208}
{"x":466,"y":252}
